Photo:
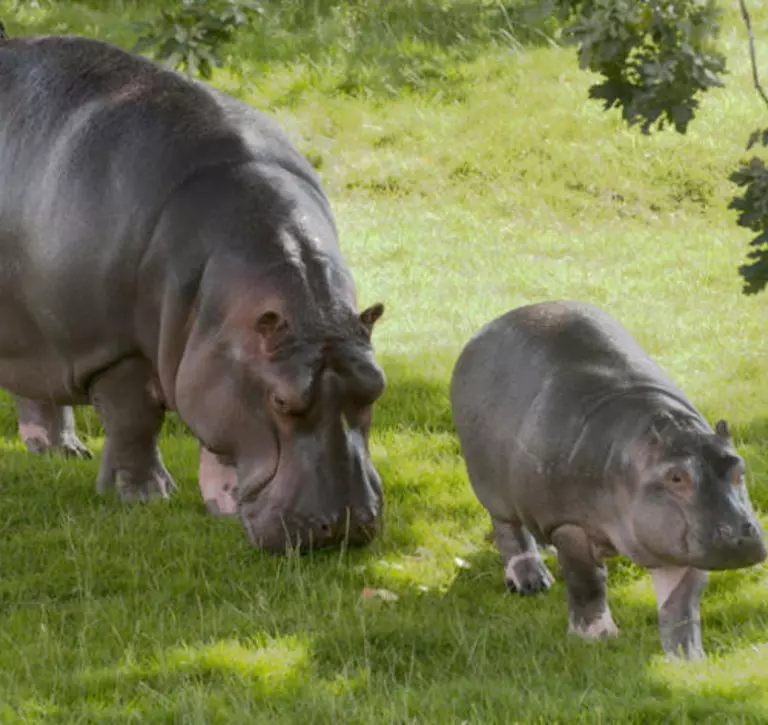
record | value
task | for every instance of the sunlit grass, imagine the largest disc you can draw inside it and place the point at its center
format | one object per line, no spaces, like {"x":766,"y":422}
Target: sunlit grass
{"x":469,"y":174}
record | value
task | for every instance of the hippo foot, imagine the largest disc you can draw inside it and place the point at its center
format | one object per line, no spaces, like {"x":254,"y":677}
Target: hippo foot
{"x":131,"y":486}
{"x":48,"y":428}
{"x":603,"y":627}
{"x":159,"y":485}
{"x":70,"y":447}
{"x":526,"y":574}
{"x":683,"y":642}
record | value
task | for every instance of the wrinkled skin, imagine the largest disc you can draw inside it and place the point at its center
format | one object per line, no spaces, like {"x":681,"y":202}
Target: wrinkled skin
{"x":163,"y":246}
{"x":573,"y":436}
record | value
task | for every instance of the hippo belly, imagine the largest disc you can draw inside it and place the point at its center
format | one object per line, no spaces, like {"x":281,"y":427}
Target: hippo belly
{"x":572,"y":435}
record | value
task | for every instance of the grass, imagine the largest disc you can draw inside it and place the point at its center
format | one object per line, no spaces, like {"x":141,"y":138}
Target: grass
{"x":469,"y":174}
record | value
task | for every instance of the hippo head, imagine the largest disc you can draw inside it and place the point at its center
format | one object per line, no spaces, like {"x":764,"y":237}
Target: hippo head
{"x":691,"y":507}
{"x":287,"y":399}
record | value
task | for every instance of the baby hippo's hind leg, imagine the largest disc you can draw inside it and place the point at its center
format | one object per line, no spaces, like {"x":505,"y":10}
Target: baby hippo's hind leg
{"x":44,"y":426}
{"x":132,"y":418}
{"x":525,"y":572}
{"x":585,"y":584}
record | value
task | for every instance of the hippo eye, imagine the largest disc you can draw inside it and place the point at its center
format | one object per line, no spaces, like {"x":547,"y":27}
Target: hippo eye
{"x":678,"y":481}
{"x":279,"y":403}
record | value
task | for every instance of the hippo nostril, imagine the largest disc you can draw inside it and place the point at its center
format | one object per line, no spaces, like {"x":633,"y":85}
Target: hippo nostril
{"x":748,"y":531}
{"x":723,"y":533}
{"x":364,"y":516}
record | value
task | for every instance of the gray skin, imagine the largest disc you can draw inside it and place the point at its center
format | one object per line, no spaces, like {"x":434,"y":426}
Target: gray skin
{"x":163,"y":246}
{"x":574,"y":437}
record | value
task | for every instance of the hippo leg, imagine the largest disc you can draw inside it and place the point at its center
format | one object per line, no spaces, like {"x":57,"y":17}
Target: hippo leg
{"x":678,"y":591}
{"x":585,"y":582}
{"x":525,"y":572}
{"x":218,"y":484}
{"x":132,"y":418}
{"x":44,"y":427}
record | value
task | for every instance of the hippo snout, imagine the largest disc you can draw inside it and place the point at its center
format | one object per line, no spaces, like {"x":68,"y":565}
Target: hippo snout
{"x":738,"y":545}
{"x":280,"y":531}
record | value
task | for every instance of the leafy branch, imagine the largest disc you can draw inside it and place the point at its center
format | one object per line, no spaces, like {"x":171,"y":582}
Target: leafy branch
{"x":191,"y":35}
{"x":656,"y":56}
{"x":752,"y":205}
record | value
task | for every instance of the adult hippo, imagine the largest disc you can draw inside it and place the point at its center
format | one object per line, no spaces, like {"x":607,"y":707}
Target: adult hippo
{"x":573,"y":436}
{"x":163,"y":246}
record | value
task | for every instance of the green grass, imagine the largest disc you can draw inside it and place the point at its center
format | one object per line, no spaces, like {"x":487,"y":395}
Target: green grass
{"x":469,"y":174}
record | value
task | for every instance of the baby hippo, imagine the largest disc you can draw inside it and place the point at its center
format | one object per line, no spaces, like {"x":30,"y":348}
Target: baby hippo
{"x":573,"y":436}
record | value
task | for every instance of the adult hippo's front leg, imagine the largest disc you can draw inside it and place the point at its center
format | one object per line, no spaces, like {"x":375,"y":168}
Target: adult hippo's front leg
{"x":218,"y":484}
{"x":132,"y":418}
{"x":44,"y":426}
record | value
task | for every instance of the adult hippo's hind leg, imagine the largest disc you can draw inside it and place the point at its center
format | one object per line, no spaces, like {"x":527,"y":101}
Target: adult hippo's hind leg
{"x":44,"y":426}
{"x":218,"y":484}
{"x":585,"y":582}
{"x":525,"y":572}
{"x":132,"y":419}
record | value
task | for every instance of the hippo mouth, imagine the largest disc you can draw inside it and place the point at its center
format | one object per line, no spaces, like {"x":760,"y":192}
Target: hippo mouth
{"x":300,"y":509}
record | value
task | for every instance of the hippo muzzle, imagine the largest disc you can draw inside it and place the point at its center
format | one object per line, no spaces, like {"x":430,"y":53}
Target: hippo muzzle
{"x":315,"y":499}
{"x":735,"y":542}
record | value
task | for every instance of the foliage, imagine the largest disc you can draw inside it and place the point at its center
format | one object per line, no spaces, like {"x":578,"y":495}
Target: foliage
{"x":753,"y":176}
{"x":752,"y":206}
{"x":657,"y":57}
{"x":192,"y":34}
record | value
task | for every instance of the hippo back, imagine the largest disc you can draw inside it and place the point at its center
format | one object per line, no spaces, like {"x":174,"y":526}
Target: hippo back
{"x":94,"y":143}
{"x":533,"y":395}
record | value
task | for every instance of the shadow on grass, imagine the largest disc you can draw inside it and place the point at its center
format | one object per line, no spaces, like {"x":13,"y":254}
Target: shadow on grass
{"x":471,"y":653}
{"x":132,"y":606}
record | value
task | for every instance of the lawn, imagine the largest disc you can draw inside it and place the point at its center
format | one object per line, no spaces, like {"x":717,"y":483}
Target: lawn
{"x":469,"y":174}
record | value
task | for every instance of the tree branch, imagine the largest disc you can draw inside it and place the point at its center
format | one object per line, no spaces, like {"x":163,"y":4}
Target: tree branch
{"x":755,"y":76}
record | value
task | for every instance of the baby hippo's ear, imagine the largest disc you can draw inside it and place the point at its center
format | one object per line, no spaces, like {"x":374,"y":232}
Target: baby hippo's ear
{"x":271,"y":328}
{"x":722,"y":430}
{"x":369,"y":316}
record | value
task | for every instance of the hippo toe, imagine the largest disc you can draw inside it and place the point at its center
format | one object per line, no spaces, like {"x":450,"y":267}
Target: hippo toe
{"x":527,"y":574}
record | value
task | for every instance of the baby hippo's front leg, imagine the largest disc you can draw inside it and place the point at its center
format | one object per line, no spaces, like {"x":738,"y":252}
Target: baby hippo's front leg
{"x":678,"y":592}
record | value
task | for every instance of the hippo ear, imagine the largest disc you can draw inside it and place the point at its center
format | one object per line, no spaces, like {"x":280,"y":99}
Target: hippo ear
{"x":722,"y":430}
{"x":271,"y":327}
{"x":369,"y":316}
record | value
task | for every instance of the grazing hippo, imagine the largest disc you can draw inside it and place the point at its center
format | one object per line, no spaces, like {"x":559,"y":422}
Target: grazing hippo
{"x":163,"y":246}
{"x":573,"y":436}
